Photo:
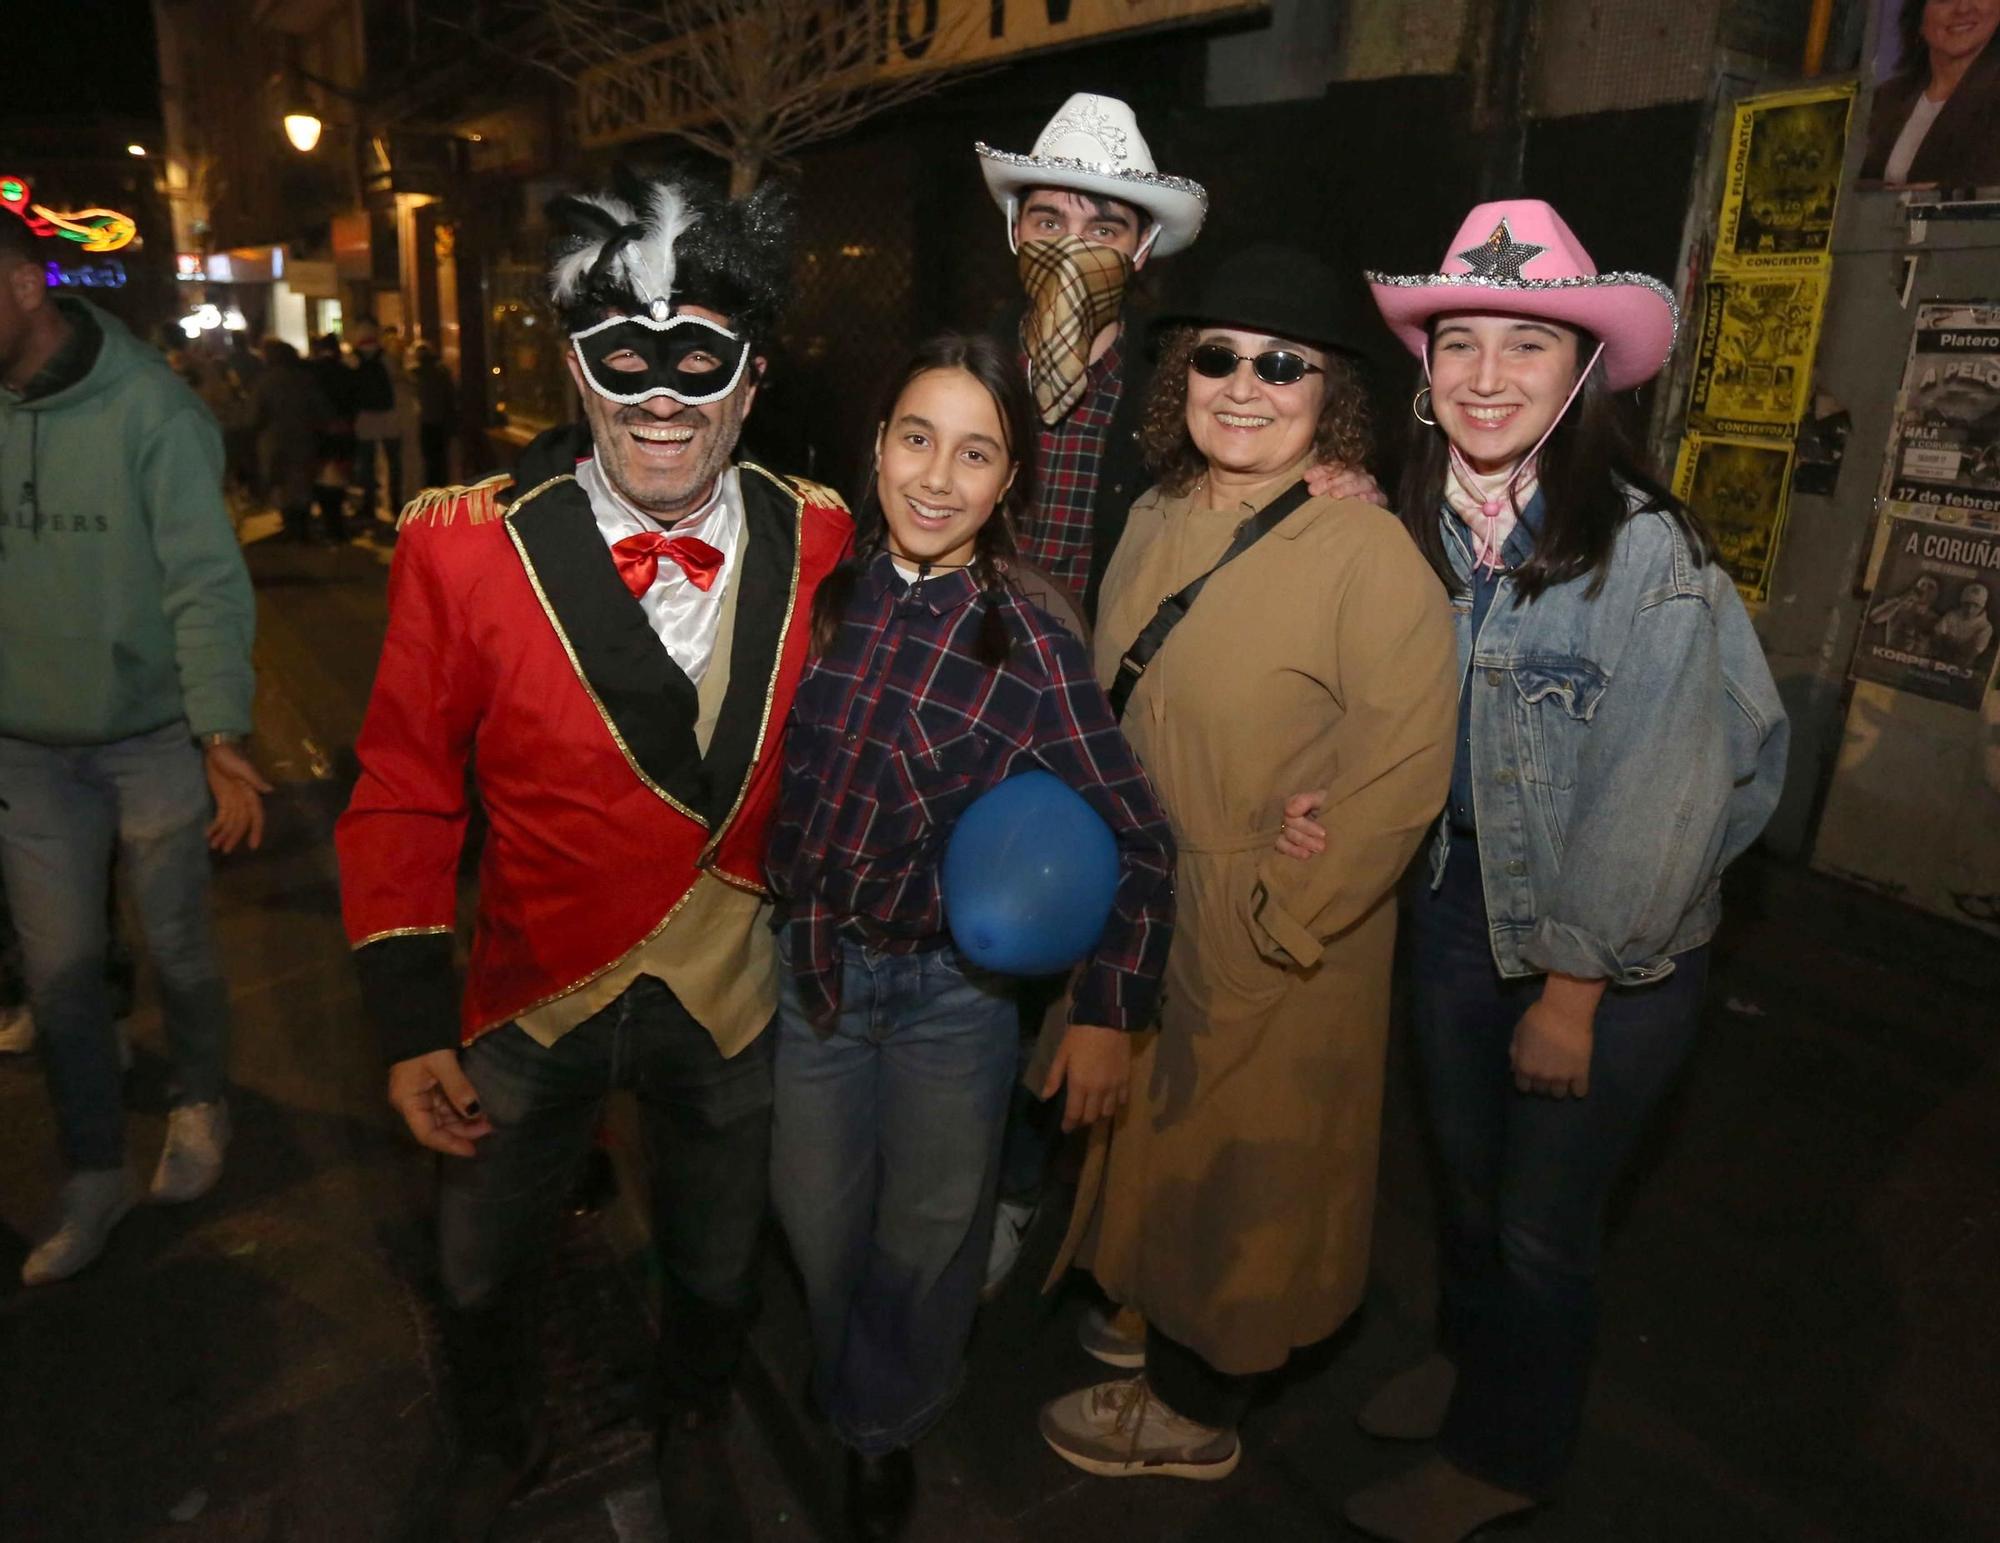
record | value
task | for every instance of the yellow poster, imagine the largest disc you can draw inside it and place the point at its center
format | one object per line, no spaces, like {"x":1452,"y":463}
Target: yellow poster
{"x":1783,"y":183}
{"x":1754,"y":357}
{"x":1739,"y":488}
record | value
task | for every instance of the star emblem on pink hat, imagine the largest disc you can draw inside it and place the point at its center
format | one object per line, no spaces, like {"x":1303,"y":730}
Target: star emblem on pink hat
{"x":1500,"y":256}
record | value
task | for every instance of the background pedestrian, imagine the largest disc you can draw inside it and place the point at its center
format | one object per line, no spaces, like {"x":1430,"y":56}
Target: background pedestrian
{"x":437,"y":412}
{"x":116,"y":537}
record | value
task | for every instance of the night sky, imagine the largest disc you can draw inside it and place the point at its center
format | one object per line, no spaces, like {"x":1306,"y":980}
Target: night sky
{"x":74,"y":57}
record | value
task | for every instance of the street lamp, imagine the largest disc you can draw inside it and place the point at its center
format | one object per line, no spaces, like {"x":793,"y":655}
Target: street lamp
{"x":303,"y":130}
{"x":135,"y":149}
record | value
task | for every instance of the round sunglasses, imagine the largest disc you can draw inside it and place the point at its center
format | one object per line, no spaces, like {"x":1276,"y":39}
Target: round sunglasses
{"x":1274,"y":367}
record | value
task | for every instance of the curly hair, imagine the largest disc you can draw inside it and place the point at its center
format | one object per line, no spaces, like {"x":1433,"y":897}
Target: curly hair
{"x":1343,"y":432}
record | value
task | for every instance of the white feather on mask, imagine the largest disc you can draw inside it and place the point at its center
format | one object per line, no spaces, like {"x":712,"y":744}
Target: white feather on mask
{"x":568,"y":273}
{"x":645,"y":264}
{"x":652,"y":255}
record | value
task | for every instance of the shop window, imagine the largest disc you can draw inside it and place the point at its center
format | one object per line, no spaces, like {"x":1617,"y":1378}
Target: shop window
{"x":529,"y":387}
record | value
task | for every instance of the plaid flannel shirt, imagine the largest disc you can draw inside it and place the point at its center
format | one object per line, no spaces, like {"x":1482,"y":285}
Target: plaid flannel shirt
{"x":896,"y":729}
{"x":1060,"y":539}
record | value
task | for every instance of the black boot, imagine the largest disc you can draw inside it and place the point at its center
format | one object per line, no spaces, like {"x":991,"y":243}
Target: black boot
{"x":502,"y":1437}
{"x":879,"y":1492}
{"x":698,"y":1493}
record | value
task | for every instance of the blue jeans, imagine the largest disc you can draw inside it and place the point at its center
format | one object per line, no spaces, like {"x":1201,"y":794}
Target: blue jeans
{"x":367,"y":478}
{"x":1527,"y":1179}
{"x":61,"y":810}
{"x":707,"y":1125}
{"x":884,"y":1163}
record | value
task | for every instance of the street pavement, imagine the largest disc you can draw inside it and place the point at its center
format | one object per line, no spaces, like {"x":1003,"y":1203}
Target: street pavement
{"x":1799,"y":1338}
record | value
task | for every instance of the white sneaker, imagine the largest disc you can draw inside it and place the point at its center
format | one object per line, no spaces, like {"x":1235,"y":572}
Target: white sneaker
{"x":17,"y":1030}
{"x":1120,"y":1430}
{"x":191,"y":1161}
{"x":1011,"y":1221}
{"x":93,"y":1202}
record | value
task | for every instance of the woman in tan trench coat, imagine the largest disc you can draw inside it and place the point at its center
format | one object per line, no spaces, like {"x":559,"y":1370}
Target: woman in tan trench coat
{"x":1233,"y":1200}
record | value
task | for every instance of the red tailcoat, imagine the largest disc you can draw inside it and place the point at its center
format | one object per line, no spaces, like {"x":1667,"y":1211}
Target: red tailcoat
{"x":514,"y":649}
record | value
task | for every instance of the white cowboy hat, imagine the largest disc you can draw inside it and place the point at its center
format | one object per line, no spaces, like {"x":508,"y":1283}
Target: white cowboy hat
{"x":1093,"y":146}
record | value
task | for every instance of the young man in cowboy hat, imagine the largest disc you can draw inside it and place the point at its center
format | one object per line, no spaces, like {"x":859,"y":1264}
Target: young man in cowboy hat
{"x":1085,"y":209}
{"x":618,"y":628}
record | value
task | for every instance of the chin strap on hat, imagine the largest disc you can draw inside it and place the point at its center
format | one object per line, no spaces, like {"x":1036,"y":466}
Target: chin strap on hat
{"x":1492,"y":504}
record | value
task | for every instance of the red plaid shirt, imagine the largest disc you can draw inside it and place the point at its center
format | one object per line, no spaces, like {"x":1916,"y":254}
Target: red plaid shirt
{"x":1059,"y":541}
{"x":896,"y":729}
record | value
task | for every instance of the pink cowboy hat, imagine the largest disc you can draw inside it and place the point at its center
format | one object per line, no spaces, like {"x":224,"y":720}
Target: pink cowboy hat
{"x":1518,"y":257}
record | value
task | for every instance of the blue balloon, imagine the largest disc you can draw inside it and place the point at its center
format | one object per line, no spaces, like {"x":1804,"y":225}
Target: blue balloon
{"x":1029,"y":874}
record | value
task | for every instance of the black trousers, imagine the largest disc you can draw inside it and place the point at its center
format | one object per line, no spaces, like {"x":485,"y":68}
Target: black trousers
{"x":1192,"y":1388}
{"x":707,"y":1124}
{"x":434,"y":439}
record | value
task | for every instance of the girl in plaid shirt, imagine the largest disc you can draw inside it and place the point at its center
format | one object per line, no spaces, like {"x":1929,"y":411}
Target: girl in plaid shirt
{"x":932,"y":680}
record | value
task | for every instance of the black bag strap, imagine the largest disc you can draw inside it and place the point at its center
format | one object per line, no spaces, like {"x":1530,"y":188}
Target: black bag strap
{"x":1176,"y":605}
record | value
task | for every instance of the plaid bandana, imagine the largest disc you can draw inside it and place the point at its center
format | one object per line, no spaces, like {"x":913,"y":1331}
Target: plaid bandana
{"x":1074,"y":291}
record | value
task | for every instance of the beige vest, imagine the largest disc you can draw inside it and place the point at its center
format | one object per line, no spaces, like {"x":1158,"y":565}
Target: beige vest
{"x":714,"y":949}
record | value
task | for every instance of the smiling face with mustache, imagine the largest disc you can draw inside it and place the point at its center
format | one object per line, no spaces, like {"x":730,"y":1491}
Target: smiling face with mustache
{"x":663,"y":456}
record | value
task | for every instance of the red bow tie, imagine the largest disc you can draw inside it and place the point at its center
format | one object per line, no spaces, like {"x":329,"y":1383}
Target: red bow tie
{"x":638,"y":560}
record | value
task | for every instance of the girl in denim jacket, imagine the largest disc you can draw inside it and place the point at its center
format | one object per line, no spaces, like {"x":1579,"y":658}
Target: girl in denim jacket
{"x":1620,"y":742}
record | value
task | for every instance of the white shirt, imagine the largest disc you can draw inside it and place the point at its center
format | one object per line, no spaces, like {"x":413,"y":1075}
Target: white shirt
{"x":683,"y":617}
{"x":1911,"y":140}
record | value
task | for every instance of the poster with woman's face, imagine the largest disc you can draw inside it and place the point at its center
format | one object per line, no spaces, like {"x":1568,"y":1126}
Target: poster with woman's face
{"x":1935,"y":122}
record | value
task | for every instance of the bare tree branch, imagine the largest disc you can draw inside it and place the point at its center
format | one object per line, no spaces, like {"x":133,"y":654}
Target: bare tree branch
{"x":750,"y":81}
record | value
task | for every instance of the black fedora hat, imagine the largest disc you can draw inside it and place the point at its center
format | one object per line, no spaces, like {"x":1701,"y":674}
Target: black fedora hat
{"x":1280,"y":291}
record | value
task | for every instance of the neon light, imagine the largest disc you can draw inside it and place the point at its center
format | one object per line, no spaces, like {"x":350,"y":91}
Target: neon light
{"x":96,"y":230}
{"x":100,"y":230}
{"x":14,"y":196}
{"x":105,"y":275}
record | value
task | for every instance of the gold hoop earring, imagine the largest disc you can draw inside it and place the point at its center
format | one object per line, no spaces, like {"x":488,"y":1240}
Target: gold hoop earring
{"x":1418,"y":412}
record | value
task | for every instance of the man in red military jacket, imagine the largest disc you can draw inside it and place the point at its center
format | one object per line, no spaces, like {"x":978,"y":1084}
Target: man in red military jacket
{"x":610,"y":640}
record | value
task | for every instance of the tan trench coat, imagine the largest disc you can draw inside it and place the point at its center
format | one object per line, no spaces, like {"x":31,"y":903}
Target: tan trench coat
{"x":1233,"y":1199}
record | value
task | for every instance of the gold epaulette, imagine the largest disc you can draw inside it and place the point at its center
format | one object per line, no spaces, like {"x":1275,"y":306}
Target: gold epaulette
{"x":817,"y":493}
{"x":478,"y":501}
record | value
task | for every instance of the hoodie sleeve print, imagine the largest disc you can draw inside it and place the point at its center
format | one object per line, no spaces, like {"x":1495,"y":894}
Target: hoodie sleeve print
{"x":204,"y":585}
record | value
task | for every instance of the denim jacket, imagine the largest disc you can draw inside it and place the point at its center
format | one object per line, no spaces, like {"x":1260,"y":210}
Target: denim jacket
{"x":1625,"y":748}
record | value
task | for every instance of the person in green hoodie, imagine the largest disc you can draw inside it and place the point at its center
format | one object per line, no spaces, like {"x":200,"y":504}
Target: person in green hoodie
{"x":125,"y":683}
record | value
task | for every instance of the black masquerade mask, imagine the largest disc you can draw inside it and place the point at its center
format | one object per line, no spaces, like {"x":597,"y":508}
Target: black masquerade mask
{"x":684,"y":357}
